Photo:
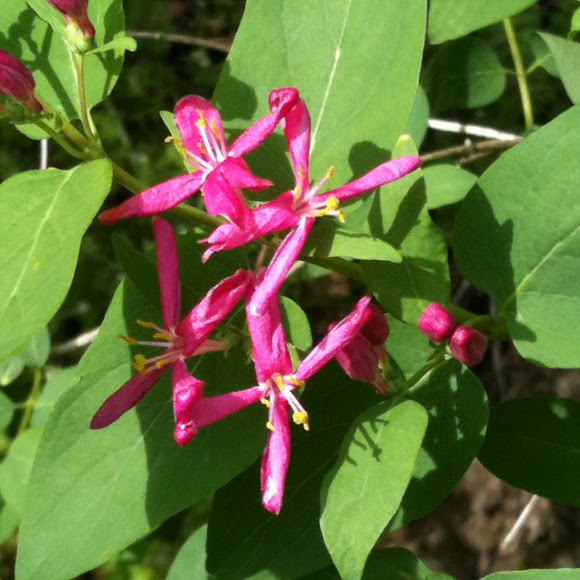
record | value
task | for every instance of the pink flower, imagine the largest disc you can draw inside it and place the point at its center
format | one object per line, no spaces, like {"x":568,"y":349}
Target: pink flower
{"x":468,"y":345}
{"x":17,"y":82}
{"x":219,"y":171}
{"x":299,"y":208}
{"x":75,"y":12}
{"x":437,"y":323}
{"x":365,"y":357}
{"x":275,"y":389}
{"x":179,"y":339}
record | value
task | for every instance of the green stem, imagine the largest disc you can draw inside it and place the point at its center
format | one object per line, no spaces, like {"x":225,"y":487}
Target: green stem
{"x":62,"y":142}
{"x":88,"y":125}
{"x":418,"y":379}
{"x":520,"y":73}
{"x":31,"y":401}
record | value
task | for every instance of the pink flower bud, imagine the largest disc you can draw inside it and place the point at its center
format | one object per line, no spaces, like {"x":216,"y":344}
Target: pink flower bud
{"x":75,"y":11}
{"x":16,"y":81}
{"x":437,"y":323}
{"x":468,"y":345}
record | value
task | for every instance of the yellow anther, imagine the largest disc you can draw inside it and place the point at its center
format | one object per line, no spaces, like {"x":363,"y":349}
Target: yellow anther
{"x":162,"y":335}
{"x":161,"y":363}
{"x":201,"y":122}
{"x":297,"y":191}
{"x":301,"y":173}
{"x":340,"y":216}
{"x":280,"y":383}
{"x":145,"y":324}
{"x":139,"y":364}
{"x":265,"y":402}
{"x":214,"y":129}
{"x":270,"y":425}
{"x":301,"y":419}
{"x":127,"y":339}
{"x":179,"y":144}
{"x":296,"y":381}
{"x":203,"y":150}
{"x":330,"y":172}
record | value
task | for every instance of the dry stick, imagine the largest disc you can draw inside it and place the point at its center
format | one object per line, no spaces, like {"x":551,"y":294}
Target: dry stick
{"x":78,"y":342}
{"x":514,"y":533}
{"x":220,"y":45}
{"x":470,"y":149}
{"x":472,"y":130}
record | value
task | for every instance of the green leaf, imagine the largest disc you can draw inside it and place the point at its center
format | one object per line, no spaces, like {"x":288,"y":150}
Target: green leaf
{"x":33,"y":41}
{"x":9,"y":521}
{"x":458,"y":412}
{"x":447,"y":184}
{"x":190,"y":560}
{"x":450,"y":19}
{"x":464,"y":74}
{"x":418,"y":120}
{"x":410,"y":347}
{"x":117,"y":484}
{"x":534,"y":443}
{"x":37,"y":351}
{"x":517,"y":237}
{"x":575,"y":23}
{"x":361,"y":494}
{"x":400,"y":217}
{"x":567,"y":57}
{"x":296,"y":324}
{"x":16,"y":467}
{"x":347,"y":82}
{"x":58,"y":383}
{"x":243,"y":537}
{"x":120,"y":43}
{"x":43,"y":217}
{"x":398,"y":564}
{"x":562,"y":574}
{"x":6,"y":411}
{"x":11,"y":369}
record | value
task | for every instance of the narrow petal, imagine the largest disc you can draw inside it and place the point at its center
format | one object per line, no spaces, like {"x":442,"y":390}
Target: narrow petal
{"x":269,"y":349}
{"x":376,"y":328}
{"x":221,"y":198}
{"x":276,"y":458}
{"x":125,"y":398}
{"x":188,"y":117}
{"x":168,"y":272}
{"x":282,"y":261}
{"x":158,"y":199}
{"x":336,"y":339}
{"x":187,"y":390}
{"x":238,"y":174}
{"x":381,"y":175}
{"x":210,"y":410}
{"x":296,"y":127}
{"x":268,"y":218}
{"x":213,"y":308}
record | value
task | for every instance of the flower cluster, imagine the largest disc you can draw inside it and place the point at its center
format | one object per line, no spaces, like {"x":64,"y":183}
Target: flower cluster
{"x":467,"y":344}
{"x":219,"y":171}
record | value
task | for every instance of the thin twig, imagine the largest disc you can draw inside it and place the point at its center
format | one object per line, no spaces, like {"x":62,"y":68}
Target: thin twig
{"x":43,"y":154}
{"x":470,"y":148}
{"x":80,"y":341}
{"x":514,"y":533}
{"x":472,"y":130}
{"x":220,"y":45}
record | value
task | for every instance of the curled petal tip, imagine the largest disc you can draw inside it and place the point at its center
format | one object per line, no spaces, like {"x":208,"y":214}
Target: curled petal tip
{"x":184,"y":433}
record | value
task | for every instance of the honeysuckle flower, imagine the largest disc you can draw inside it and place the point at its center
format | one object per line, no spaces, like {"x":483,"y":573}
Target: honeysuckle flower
{"x":275,"y":389}
{"x":365,"y":356}
{"x":219,"y":171}
{"x":75,"y":13}
{"x":17,"y":82}
{"x":468,"y":345}
{"x":297,"y":209}
{"x":437,"y":323}
{"x":179,"y":339}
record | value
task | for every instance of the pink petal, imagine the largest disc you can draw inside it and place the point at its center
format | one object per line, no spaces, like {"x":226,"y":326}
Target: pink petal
{"x":238,"y":174}
{"x":376,"y":328}
{"x":210,"y":410}
{"x":213,"y":308}
{"x":381,"y":175}
{"x":221,"y":198}
{"x":276,"y":458}
{"x":186,"y":391}
{"x":187,"y":116}
{"x":253,"y":137}
{"x":336,"y":339}
{"x":296,"y":127}
{"x":268,"y":218}
{"x":283,"y":259}
{"x":125,"y":398}
{"x":269,"y":349}
{"x":168,"y":272}
{"x":158,"y":199}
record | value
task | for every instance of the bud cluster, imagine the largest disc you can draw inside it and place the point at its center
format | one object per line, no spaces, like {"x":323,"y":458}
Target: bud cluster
{"x":467,"y":344}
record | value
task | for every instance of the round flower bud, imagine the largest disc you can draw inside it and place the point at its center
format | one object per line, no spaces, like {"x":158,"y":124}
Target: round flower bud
{"x":80,"y":29}
{"x":437,"y":323}
{"x":17,"y":82}
{"x":468,"y":345}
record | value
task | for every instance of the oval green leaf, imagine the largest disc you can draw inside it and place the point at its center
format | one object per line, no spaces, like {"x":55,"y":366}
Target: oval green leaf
{"x":563,"y":574}
{"x":447,"y":184}
{"x":567,"y":58}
